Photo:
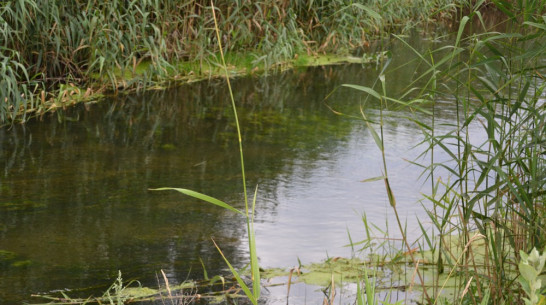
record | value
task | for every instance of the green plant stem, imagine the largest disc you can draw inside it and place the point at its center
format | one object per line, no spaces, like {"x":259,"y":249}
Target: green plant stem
{"x":255,"y":272}
{"x":240,"y":141}
{"x":392,"y":201}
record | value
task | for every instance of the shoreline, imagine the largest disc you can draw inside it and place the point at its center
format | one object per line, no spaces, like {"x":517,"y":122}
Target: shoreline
{"x":182,"y":73}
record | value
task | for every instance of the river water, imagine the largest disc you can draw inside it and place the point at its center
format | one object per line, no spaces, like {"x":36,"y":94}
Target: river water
{"x":75,"y":205}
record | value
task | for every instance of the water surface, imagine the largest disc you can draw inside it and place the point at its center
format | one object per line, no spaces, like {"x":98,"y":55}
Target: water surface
{"x":75,"y":205}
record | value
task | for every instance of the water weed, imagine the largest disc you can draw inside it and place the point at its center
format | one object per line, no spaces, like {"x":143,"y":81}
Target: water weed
{"x":120,"y":293}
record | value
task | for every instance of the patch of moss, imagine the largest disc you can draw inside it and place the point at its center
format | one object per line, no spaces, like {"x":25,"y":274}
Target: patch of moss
{"x":273,"y":273}
{"x":341,"y":270}
{"x":10,"y":259}
{"x":137,"y":292}
{"x":167,"y":146}
{"x":331,"y":59}
{"x":141,"y":293}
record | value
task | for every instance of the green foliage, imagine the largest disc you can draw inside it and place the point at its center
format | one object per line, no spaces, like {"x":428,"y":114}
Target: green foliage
{"x":497,"y":184}
{"x":530,"y":268}
{"x":134,"y":44}
{"x":201,"y":197}
{"x":492,"y":184}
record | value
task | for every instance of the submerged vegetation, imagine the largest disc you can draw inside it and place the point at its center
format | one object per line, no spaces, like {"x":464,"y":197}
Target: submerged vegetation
{"x":55,"y":53}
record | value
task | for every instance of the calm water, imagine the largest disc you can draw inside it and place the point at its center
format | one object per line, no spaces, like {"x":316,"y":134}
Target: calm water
{"x":75,"y":206}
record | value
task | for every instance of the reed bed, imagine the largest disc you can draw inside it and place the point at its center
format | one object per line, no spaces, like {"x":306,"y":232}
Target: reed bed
{"x":55,"y":52}
{"x":487,"y":203}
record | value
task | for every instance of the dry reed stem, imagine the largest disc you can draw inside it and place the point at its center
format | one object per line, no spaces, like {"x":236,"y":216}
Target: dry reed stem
{"x":166,"y":283}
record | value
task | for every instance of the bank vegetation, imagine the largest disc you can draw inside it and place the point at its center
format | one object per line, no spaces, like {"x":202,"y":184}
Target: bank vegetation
{"x":55,"y":53}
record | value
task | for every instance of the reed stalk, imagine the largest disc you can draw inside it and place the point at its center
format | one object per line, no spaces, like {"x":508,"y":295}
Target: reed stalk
{"x":253,"y":293}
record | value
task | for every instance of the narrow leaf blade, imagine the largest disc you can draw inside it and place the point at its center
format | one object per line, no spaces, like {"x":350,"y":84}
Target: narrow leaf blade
{"x":200,"y":196}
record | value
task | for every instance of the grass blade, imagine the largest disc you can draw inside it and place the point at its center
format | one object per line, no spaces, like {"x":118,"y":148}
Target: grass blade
{"x":200,"y":196}
{"x":239,"y":279}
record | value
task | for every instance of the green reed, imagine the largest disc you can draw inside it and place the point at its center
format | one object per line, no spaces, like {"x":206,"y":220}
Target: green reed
{"x":498,"y":184}
{"x":249,"y":211}
{"x":487,"y":201}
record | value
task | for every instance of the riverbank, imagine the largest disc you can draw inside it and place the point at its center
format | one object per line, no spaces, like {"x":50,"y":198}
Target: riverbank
{"x":58,"y":54}
{"x":181,"y":73}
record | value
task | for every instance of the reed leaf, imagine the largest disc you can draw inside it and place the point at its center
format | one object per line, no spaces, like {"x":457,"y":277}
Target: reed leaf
{"x":238,"y":277}
{"x":200,"y":196}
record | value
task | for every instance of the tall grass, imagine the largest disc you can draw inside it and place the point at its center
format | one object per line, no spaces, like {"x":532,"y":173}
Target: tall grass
{"x":487,"y":204}
{"x":254,"y":292}
{"x":497,"y":185}
{"x":133,"y":44}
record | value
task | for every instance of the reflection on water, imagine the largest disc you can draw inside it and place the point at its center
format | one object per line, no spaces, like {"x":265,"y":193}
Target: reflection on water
{"x":75,"y":206}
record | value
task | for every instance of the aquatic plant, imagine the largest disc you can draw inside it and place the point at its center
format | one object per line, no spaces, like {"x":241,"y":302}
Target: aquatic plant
{"x":120,"y":293}
{"x":493,"y":183}
{"x":497,"y":184}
